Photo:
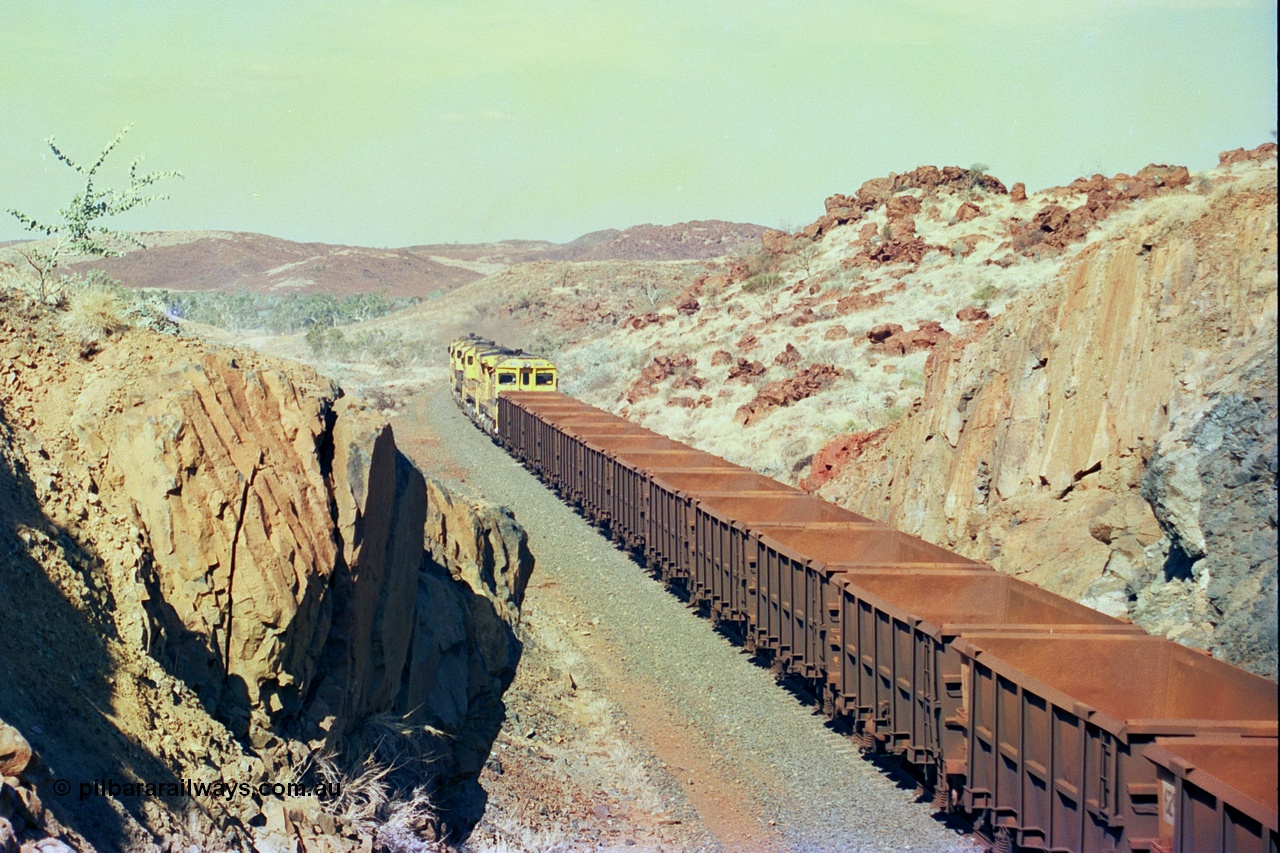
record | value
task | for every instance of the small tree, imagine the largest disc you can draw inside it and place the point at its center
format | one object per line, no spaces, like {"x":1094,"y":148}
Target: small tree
{"x":975,"y":175}
{"x":77,"y":230}
{"x":807,"y":252}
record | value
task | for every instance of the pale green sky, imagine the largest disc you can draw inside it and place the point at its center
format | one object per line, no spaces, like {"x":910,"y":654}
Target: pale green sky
{"x":394,"y":123}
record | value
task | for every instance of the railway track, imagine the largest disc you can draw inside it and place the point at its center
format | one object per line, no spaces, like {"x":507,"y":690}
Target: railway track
{"x":1048,"y":725}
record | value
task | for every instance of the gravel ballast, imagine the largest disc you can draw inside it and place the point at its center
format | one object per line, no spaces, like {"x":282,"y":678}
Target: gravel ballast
{"x":810,"y":783}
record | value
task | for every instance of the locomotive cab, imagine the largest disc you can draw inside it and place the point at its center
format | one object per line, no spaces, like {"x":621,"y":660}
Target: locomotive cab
{"x":480,"y":370}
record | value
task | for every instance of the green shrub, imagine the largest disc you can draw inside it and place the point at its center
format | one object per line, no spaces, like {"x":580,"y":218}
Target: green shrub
{"x":244,"y":311}
{"x":78,"y":229}
{"x":985,"y":294}
{"x":762,"y":282}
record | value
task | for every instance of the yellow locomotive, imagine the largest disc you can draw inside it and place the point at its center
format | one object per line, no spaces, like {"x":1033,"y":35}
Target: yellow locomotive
{"x":480,"y":370}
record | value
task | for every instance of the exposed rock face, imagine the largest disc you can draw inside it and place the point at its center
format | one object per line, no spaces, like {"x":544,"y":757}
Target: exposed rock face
{"x":277,"y":519}
{"x":1112,"y":437}
{"x":1212,"y":477}
{"x":464,"y":655}
{"x":244,"y":572}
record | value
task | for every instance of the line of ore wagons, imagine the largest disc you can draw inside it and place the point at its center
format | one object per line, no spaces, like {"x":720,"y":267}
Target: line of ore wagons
{"x":1053,"y":726}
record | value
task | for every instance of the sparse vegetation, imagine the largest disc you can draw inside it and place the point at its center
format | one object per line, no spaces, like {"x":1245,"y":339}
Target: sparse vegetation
{"x":379,"y":776}
{"x":763,"y":282}
{"x":77,"y":230}
{"x":388,"y":349}
{"x":804,"y":256}
{"x":977,"y":172}
{"x":760,"y":261}
{"x":92,"y":314}
{"x":985,"y":294}
{"x":244,"y":311}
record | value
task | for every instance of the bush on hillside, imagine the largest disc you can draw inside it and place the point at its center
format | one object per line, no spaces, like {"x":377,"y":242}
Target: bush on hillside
{"x":763,"y":282}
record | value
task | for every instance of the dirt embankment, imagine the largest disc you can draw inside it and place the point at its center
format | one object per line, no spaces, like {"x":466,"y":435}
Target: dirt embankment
{"x":218,"y":574}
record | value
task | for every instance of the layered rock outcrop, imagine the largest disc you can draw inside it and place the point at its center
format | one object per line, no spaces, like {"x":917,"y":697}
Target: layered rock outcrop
{"x":1112,"y":436}
{"x":248,"y":580}
{"x":281,"y":529}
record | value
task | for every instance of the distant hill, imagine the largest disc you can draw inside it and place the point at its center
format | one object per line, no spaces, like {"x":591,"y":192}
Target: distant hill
{"x":220,"y":260}
{"x":229,"y":260}
{"x":698,"y":240}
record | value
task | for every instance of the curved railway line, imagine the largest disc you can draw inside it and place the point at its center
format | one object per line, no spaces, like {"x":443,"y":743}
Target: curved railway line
{"x":1048,"y":725}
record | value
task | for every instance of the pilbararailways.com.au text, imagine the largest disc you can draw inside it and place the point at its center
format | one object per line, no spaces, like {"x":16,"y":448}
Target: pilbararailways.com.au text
{"x":189,"y":788}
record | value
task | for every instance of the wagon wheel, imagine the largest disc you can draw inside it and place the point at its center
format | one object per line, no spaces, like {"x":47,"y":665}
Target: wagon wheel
{"x":776,"y":667}
{"x":828,"y":705}
{"x":1003,"y":840}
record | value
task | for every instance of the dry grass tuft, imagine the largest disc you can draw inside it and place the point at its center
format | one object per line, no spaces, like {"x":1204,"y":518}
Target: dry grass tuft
{"x":380,"y":775}
{"x":93,"y":313}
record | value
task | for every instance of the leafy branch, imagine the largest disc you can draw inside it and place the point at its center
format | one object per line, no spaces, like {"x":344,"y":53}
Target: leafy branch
{"x":78,"y":231}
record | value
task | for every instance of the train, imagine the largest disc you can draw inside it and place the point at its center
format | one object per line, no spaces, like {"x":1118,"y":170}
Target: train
{"x":1047,"y":725}
{"x":480,"y":370}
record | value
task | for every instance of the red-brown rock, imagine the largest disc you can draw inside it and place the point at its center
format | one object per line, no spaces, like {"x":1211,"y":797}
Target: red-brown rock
{"x":859,"y":301}
{"x":745,"y":370}
{"x":836,"y":333}
{"x":1265,"y":151}
{"x":890,"y":338}
{"x":873,"y":192}
{"x":790,"y":355}
{"x":833,"y":456}
{"x":687,"y":306}
{"x":1019,"y":192}
{"x":1050,"y":218}
{"x":803,"y":317}
{"x":968,"y":211}
{"x":1166,"y":176}
{"x":747,"y":343}
{"x":883,"y":332}
{"x":662,"y":367}
{"x":972,"y":314}
{"x":721,"y":357}
{"x":909,"y":251}
{"x":900,"y":206}
{"x":901,"y":230}
{"x":643,"y":321}
{"x":805,"y":383}
{"x":775,"y":242}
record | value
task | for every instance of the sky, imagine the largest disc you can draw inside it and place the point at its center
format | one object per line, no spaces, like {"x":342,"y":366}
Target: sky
{"x":402,"y":123}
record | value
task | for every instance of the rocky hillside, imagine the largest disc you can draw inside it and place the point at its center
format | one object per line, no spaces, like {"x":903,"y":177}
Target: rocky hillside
{"x":1075,"y":384}
{"x":220,"y":576}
